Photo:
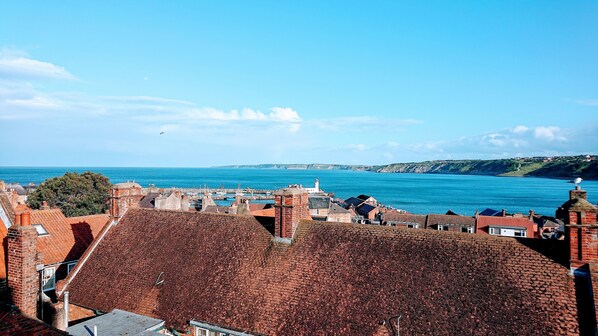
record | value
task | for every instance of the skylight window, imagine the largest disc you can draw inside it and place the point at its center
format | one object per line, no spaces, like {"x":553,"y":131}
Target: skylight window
{"x":41,"y":230}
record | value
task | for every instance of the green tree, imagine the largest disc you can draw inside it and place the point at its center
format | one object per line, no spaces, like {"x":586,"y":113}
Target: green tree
{"x":75,"y":194}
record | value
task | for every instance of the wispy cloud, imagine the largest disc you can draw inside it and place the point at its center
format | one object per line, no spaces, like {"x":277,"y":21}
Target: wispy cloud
{"x":18,"y":65}
{"x":587,"y":102}
{"x":369,"y":122}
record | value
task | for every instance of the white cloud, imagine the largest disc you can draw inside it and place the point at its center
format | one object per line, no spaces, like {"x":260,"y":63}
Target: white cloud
{"x":587,"y":102}
{"x":520,"y":129}
{"x":284,"y":114}
{"x":19,"y":66}
{"x":37,"y":102}
{"x":549,"y":133}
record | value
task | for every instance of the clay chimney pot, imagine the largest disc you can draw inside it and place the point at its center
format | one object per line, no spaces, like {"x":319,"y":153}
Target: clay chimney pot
{"x":25,"y":219}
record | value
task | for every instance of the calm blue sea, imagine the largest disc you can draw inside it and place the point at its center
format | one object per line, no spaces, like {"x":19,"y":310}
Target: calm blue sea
{"x":417,"y":193}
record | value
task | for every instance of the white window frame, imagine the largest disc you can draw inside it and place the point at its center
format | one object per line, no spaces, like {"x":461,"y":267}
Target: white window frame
{"x":49,"y":279}
{"x":469,"y":229}
{"x":442,"y":227}
{"x":201,"y":332}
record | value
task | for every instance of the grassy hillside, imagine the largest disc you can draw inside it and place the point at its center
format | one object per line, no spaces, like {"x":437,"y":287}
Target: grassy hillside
{"x":564,"y":167}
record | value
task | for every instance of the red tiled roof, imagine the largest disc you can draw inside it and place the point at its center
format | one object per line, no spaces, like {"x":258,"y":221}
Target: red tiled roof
{"x":335,"y":278}
{"x":12,"y":322}
{"x":264,"y":212}
{"x":68,"y":237}
{"x":22,"y":207}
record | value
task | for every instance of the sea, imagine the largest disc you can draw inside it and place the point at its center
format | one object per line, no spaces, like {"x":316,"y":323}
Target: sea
{"x":415,"y":193}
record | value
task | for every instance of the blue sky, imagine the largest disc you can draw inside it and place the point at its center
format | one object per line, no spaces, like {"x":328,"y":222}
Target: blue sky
{"x":246,"y":82}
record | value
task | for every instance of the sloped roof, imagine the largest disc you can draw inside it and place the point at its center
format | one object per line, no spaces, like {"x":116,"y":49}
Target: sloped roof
{"x":148,"y":201}
{"x":490,"y":212}
{"x":337,"y":209}
{"x":353,"y":201}
{"x":505,"y":221}
{"x":450,"y":220}
{"x":335,"y":278}
{"x":13,"y":322}
{"x":395,"y":216}
{"x":68,"y":237}
{"x":318,"y":202}
{"x":364,"y":209}
{"x":269,"y":212}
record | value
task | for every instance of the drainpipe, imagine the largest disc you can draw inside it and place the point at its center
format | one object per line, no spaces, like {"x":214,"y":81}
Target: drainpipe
{"x":66,"y":310}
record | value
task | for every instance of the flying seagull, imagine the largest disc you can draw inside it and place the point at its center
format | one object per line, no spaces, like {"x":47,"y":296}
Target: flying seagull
{"x":161,"y":133}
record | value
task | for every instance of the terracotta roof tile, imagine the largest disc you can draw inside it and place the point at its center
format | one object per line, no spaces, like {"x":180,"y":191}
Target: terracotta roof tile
{"x":264,"y":212}
{"x":12,"y":322}
{"x":334,"y":279}
{"x":68,"y":237}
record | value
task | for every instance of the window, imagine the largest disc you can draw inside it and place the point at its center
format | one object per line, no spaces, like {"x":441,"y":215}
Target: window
{"x":69,"y":267}
{"x":41,"y":230}
{"x":412,"y":226}
{"x":507,"y":232}
{"x":49,"y":278}
{"x":442,"y":227}
{"x":205,"y":332}
{"x":467,"y":229}
{"x":519,"y":233}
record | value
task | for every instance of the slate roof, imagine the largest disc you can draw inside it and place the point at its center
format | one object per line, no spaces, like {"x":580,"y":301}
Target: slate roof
{"x":118,"y":322}
{"x":148,"y":201}
{"x":353,"y":201}
{"x":68,"y":237}
{"x":335,"y":278}
{"x":365,"y":209}
{"x":450,"y":220}
{"x":364,"y":197}
{"x":319,"y":202}
{"x":337,"y":209}
{"x":403,"y":218}
{"x":490,"y":212}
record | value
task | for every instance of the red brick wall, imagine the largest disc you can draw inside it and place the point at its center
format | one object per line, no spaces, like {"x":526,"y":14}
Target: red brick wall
{"x":290,"y":208}
{"x":22,"y":277}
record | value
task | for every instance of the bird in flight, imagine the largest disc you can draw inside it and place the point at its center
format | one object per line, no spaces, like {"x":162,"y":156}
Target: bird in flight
{"x":161,"y":133}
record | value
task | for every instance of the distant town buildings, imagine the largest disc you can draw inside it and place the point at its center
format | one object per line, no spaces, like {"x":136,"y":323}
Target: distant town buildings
{"x":304,"y":264}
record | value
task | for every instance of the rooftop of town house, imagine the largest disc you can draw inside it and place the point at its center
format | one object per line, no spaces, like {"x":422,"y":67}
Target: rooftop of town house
{"x":62,"y":239}
{"x":118,"y":322}
{"x":13,"y":322}
{"x":337,"y":209}
{"x":319,"y":202}
{"x":335,"y":278}
{"x":434,"y":219}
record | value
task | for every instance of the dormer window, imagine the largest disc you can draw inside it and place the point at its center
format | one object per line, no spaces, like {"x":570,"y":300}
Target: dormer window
{"x":41,"y":230}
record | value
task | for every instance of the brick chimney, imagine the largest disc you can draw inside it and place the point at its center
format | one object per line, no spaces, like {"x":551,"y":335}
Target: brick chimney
{"x":291,"y":206}
{"x":23,"y":279}
{"x":581,"y":229}
{"x":122,"y":197}
{"x":45,"y":205}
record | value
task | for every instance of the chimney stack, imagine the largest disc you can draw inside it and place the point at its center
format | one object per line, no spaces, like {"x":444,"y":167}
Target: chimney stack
{"x":291,"y":206}
{"x":581,"y":229}
{"x":45,"y":205}
{"x":23,"y":279}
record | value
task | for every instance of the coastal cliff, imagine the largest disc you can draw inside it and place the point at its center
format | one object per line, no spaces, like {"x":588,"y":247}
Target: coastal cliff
{"x":564,"y":167}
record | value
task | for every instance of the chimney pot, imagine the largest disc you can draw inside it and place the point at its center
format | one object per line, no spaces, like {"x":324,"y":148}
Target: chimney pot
{"x":17,"y":219}
{"x":25,"y":219}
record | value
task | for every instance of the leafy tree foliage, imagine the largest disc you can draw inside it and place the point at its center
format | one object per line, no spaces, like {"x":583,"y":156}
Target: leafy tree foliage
{"x":75,"y":194}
